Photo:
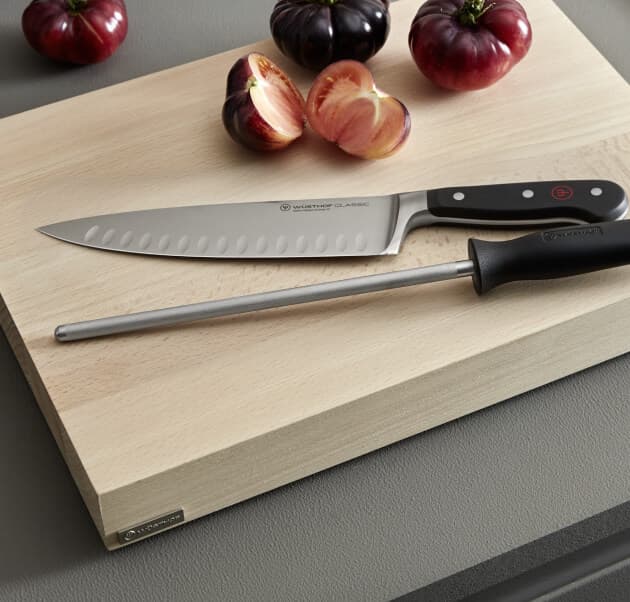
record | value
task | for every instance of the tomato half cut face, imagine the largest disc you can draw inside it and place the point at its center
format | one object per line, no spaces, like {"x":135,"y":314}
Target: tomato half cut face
{"x":344,"y":106}
{"x":275,"y":96}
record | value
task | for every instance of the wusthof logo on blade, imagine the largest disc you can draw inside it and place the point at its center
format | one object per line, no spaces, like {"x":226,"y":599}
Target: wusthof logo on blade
{"x":306,"y":206}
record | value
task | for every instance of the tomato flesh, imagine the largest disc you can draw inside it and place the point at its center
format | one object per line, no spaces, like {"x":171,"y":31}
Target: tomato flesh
{"x":276,"y":98}
{"x":344,"y":106}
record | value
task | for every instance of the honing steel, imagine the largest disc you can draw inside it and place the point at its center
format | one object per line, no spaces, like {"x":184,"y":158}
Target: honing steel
{"x":351,"y":227}
{"x":543,"y":255}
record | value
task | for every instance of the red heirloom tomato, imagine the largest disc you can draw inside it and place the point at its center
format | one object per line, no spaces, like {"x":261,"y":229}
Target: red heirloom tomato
{"x":344,"y":106}
{"x":469,"y":44}
{"x":75,"y":31}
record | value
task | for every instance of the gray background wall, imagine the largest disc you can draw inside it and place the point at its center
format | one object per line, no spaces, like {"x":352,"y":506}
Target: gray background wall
{"x":165,"y":33}
{"x":374,"y":528}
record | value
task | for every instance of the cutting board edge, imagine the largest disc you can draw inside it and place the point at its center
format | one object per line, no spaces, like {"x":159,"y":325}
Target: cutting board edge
{"x":99,"y":504}
{"x":531,"y":355}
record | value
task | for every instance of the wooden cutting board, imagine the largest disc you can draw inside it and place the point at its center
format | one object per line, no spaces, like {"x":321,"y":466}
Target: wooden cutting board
{"x":199,"y":417}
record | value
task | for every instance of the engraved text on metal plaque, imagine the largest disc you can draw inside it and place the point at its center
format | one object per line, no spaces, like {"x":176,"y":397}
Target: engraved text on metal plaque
{"x":150,"y":527}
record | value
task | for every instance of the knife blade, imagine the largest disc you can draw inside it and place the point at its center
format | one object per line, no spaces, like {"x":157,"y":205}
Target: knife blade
{"x":541,"y":256}
{"x":345,"y":227}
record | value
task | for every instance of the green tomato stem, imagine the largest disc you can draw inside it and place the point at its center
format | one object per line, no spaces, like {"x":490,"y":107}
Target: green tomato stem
{"x":76,"y":6}
{"x":472,"y":10}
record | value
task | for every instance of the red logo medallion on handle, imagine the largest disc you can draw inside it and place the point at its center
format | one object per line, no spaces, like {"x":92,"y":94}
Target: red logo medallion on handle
{"x":562,"y":193}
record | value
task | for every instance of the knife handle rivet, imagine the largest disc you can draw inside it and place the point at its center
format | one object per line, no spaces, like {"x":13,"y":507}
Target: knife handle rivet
{"x":459,"y":196}
{"x":597,"y":191}
{"x":528,"y":194}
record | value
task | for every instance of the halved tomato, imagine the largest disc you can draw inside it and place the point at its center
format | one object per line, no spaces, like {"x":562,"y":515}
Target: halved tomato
{"x":344,"y":106}
{"x":263,"y":109}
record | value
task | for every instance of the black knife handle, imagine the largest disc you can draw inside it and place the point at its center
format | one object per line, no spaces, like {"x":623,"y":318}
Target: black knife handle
{"x":570,"y":201}
{"x":550,"y":254}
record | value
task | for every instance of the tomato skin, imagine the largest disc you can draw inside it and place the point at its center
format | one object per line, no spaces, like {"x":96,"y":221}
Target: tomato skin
{"x":462,"y":57}
{"x":316,"y":33}
{"x":75,"y":31}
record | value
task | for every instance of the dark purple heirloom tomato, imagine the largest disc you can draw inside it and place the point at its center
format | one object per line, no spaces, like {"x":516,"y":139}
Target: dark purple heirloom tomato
{"x":469,"y":44}
{"x":75,"y":31}
{"x":316,"y":33}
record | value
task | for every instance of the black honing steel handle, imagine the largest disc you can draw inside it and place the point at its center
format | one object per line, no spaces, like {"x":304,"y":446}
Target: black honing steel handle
{"x":550,"y":254}
{"x":570,"y":201}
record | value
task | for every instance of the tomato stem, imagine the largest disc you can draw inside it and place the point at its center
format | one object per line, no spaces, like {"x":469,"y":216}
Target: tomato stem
{"x":76,"y":6}
{"x":472,"y":10}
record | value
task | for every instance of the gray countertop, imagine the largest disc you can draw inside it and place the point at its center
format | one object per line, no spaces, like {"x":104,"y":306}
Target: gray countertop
{"x":396,"y":520}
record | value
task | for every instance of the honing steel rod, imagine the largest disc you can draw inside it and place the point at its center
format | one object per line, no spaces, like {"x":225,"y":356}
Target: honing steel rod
{"x":540,"y":256}
{"x":249,"y":303}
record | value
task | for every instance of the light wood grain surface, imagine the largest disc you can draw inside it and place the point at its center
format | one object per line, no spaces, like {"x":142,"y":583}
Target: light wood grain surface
{"x":206,"y":415}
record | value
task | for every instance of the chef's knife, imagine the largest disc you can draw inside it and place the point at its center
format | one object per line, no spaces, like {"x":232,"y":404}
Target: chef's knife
{"x":541,"y":256}
{"x":348,"y":227}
